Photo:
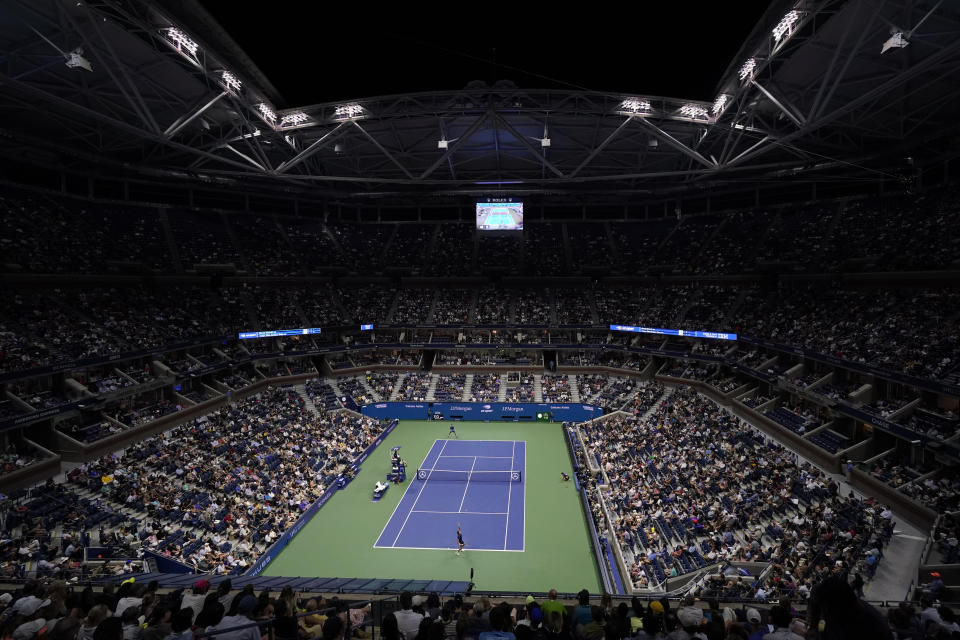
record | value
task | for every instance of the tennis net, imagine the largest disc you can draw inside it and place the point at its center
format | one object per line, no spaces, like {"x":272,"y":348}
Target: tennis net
{"x":472,"y":476}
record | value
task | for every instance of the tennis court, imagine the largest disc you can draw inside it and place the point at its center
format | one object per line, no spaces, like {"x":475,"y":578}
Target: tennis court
{"x":340,"y":540}
{"x":476,"y":483}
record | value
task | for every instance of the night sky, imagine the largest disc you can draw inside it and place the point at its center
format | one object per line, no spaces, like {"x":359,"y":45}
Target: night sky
{"x":355,"y":50}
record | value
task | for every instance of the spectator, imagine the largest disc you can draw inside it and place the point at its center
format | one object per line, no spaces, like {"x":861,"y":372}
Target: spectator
{"x":408,"y":621}
{"x":195,"y":600}
{"x":499,"y":626}
{"x":780,"y":619}
{"x":243,"y":618}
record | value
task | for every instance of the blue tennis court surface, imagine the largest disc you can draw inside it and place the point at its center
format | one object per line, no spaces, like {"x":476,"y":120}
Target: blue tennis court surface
{"x":478,"y":483}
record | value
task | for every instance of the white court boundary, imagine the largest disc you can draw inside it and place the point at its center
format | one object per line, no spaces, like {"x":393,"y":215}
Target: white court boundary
{"x":479,"y":513}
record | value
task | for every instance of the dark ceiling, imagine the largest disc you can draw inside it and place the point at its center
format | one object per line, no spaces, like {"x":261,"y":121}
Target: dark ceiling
{"x":320,"y":55}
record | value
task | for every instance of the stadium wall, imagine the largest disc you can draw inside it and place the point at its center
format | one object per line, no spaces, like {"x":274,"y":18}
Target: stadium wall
{"x":486,"y":412}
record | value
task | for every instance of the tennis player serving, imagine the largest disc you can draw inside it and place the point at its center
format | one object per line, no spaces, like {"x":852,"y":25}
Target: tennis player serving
{"x":459,"y":539}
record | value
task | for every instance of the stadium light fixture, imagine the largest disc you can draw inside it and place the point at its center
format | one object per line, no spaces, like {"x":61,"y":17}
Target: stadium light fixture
{"x":181,"y":41}
{"x":785,"y":25}
{"x":230,"y":82}
{"x":896,"y":41}
{"x":694,"y":111}
{"x":76,"y":60}
{"x":634,"y":105}
{"x":746,"y":71}
{"x":293,"y":119}
{"x":443,"y":144}
{"x":346,"y":111}
{"x":719,"y":103}
{"x":267,"y":114}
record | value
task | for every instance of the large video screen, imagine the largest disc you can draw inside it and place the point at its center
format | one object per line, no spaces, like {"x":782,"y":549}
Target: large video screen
{"x":500,"y":216}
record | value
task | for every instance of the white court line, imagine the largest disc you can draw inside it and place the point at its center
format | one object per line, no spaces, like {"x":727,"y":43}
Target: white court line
{"x":484,"y":457}
{"x":506,"y":529}
{"x":467,"y":471}
{"x":468,"y":513}
{"x":414,"y":506}
{"x":467,"y":487}
{"x":465,"y":549}
{"x":524,"y":495}
{"x":409,"y":486}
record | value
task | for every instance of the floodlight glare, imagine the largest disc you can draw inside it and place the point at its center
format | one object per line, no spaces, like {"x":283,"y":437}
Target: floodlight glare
{"x":746,"y":71}
{"x":896,"y":41}
{"x":267,"y":113}
{"x":293,"y":119}
{"x":181,"y":41}
{"x":230,"y":81}
{"x":634,"y":105}
{"x":693,"y":111}
{"x":785,"y":25}
{"x":719,"y":103}
{"x":348,"y":111}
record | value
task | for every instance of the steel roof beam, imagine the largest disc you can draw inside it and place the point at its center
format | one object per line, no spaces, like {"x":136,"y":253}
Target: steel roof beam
{"x":665,"y":137}
{"x":312,"y":149}
{"x":600,"y":147}
{"x":790,"y":113}
{"x":136,"y":101}
{"x":106,"y":119}
{"x":453,"y":147}
{"x":184,"y":120}
{"x":522,"y":139}
{"x":818,"y":104}
{"x":862,"y":99}
{"x":382,"y":149}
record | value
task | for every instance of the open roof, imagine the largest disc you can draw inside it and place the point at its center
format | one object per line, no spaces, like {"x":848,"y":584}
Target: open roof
{"x":810,"y":94}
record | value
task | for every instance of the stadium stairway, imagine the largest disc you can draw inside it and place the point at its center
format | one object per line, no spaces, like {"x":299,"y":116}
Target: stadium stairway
{"x":395,"y":394}
{"x":537,"y":388}
{"x":574,"y":389}
{"x":432,"y":389}
{"x":472,"y":314}
{"x":392,"y":308}
{"x":366,"y":385}
{"x":171,"y":242}
{"x":502,"y":396}
{"x":467,"y":387}
{"x":333,"y":385}
{"x":433,"y":306}
{"x":308,"y":403}
{"x":663,"y":398}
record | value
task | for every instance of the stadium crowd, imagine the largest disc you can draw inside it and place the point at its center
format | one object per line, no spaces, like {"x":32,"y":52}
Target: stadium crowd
{"x":217,"y":491}
{"x":690,"y":486}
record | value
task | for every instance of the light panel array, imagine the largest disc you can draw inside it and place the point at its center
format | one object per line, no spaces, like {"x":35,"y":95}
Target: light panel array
{"x":348,"y":111}
{"x":293,"y":119}
{"x":634,"y":105}
{"x":693,"y":111}
{"x":746,"y":71}
{"x":267,"y":113}
{"x":785,"y":25}
{"x":719,"y":103}
{"x":231,"y":82}
{"x":181,"y":41}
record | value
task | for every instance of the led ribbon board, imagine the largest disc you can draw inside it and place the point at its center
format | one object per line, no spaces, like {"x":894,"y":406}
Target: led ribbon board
{"x":715,"y":335}
{"x":277,"y":333}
